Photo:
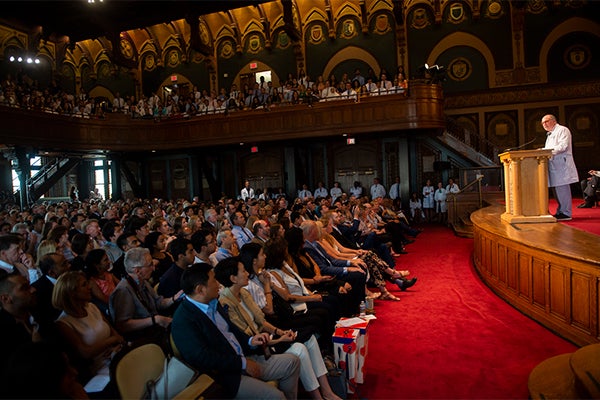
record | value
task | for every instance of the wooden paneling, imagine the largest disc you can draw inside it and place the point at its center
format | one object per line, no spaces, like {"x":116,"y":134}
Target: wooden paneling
{"x":423,"y":109}
{"x":548,"y":271}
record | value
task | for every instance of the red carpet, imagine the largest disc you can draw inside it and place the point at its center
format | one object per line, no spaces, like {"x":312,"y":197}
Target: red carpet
{"x":450,"y":337}
{"x":586,"y":219}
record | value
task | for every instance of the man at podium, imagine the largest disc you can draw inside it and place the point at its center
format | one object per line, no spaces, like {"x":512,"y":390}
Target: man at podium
{"x":561,"y":166}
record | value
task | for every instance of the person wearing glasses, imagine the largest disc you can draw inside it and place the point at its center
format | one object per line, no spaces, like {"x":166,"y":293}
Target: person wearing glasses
{"x":561,"y":166}
{"x":134,"y":305}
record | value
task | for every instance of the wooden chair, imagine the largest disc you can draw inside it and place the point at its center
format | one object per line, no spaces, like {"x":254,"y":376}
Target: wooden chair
{"x":146,"y":363}
{"x":136,"y":368}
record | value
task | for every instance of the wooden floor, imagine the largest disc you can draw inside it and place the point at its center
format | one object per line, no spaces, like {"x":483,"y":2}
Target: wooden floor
{"x":548,"y":271}
{"x":554,"y":237}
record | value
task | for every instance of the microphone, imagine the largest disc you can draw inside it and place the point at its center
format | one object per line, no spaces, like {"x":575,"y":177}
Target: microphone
{"x":519,"y":147}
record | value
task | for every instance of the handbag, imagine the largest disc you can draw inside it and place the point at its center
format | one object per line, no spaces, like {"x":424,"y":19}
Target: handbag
{"x":282,"y":308}
{"x":176,"y":376}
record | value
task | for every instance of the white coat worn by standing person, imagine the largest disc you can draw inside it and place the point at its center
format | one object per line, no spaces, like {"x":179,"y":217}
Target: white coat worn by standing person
{"x":561,"y":166}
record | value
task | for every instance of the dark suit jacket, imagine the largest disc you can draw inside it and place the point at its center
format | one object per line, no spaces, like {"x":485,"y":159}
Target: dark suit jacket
{"x":208,"y":226}
{"x":327,"y":264}
{"x":351,"y":232}
{"x":203,"y":346}
{"x":344,"y":241}
{"x":44,"y":312}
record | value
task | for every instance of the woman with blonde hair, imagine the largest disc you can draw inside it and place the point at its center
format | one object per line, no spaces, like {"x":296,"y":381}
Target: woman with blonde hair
{"x":88,"y":335}
{"x":376,"y":266}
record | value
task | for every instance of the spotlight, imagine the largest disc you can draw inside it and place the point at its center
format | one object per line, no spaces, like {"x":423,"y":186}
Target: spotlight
{"x":29,"y":60}
{"x":20,"y":59}
{"x":12,"y":58}
{"x":37,"y":61}
{"x":423,"y":69}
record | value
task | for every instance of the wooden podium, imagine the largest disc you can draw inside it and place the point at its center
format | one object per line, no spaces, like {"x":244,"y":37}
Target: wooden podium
{"x":526,"y":186}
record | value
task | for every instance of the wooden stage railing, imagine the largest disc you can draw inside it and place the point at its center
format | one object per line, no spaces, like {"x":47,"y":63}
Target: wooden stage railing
{"x":548,"y":271}
{"x":421,"y":109}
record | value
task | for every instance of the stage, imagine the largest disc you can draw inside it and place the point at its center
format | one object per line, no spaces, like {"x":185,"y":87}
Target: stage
{"x":549,"y":271}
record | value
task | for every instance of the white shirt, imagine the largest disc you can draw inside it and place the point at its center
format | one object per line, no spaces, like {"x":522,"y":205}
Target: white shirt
{"x":320,"y":192}
{"x":377,"y":190}
{"x":395,"y":191}
{"x":452,"y":189}
{"x":247,"y":193}
{"x":335,"y":192}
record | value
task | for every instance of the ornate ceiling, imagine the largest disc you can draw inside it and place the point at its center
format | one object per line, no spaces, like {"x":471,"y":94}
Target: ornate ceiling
{"x":121,"y":31}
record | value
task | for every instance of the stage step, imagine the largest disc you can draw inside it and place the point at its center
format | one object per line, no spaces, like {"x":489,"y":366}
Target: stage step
{"x":567,"y":376}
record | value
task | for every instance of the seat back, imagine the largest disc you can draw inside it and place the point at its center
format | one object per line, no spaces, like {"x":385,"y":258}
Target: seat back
{"x":174,"y":348}
{"x":136,"y":368}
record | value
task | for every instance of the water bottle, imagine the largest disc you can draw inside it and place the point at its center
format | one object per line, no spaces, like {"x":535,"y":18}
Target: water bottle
{"x":363,"y":309}
{"x":370,"y":307}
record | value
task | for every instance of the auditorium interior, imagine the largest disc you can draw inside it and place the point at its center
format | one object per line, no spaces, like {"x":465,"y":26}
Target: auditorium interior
{"x":480,"y":75}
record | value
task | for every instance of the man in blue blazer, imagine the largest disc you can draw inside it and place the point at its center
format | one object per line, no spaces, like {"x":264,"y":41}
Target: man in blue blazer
{"x":208,"y":341}
{"x":353,"y":272}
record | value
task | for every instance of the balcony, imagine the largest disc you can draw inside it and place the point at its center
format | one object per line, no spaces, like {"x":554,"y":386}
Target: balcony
{"x":421,"y":109}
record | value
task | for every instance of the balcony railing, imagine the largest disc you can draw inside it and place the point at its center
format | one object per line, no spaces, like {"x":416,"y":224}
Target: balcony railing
{"x":422,"y":109}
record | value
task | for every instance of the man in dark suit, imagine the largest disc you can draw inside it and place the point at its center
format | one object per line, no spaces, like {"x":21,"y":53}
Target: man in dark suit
{"x":351,"y":271}
{"x":206,"y":338}
{"x":52,"y":265}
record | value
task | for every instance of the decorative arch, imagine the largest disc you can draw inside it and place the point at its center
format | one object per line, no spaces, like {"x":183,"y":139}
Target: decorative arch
{"x":246,"y":70}
{"x":571,"y":25}
{"x":466,"y":39}
{"x":315,"y":15}
{"x":351,"y":52}
{"x":181,"y":79}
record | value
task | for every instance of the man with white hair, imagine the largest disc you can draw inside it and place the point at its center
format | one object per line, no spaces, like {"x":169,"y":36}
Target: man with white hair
{"x":134,"y":305}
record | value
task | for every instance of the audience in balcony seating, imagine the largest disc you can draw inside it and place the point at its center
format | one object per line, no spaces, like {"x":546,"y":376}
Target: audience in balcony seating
{"x":23,"y":92}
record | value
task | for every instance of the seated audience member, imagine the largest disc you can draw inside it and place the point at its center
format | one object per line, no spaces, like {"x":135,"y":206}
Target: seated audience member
{"x":111,"y":232}
{"x":54,"y":376}
{"x":52,"y":265}
{"x":59,"y":235}
{"x":211,"y":343}
{"x":588,"y":187}
{"x":204,"y":244}
{"x":227,"y":247}
{"x":261,"y":232}
{"x":379,"y":270}
{"x":246,"y":315}
{"x":156,"y":242}
{"x":139,"y":226}
{"x":290,"y":287}
{"x":346,"y":270}
{"x":134,"y":305}
{"x":13,"y":259}
{"x":81,"y":244}
{"x":242,"y":234}
{"x":125,"y":242}
{"x":85,"y":330}
{"x":252,"y":256}
{"x":183,"y":252}
{"x":17,"y":325}
{"x":311,"y":274}
{"x":102,"y":281}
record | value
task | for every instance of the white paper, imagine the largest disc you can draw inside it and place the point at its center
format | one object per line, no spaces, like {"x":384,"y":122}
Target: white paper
{"x":97,"y":383}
